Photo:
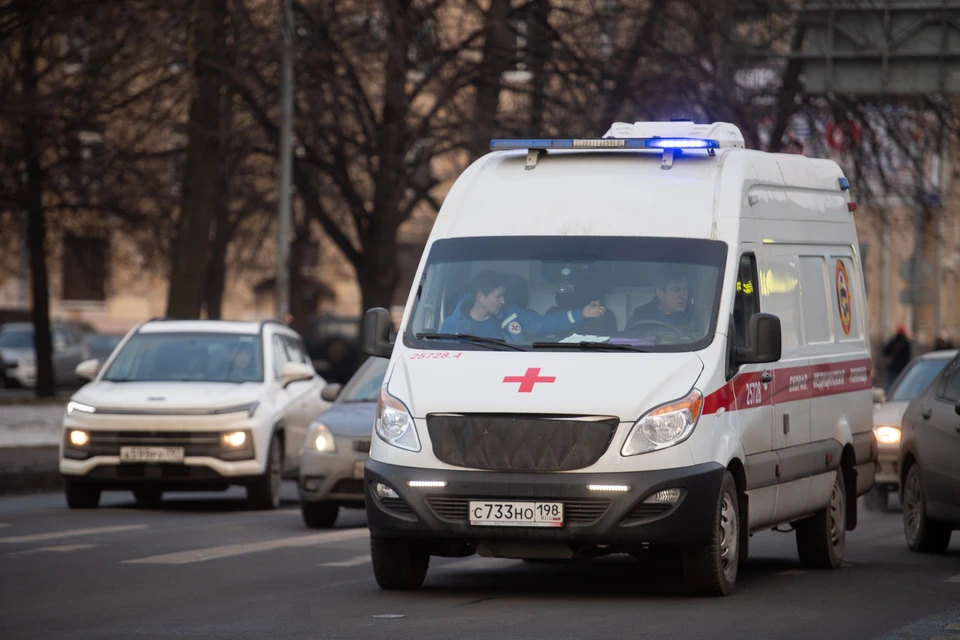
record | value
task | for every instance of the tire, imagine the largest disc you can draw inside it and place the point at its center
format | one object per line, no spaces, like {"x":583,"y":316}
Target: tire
{"x":148,"y":496}
{"x":81,"y":495}
{"x":319,"y":515}
{"x":264,"y":493}
{"x":398,"y":564}
{"x":922,"y":534}
{"x":712,"y":568}
{"x":877,"y":499}
{"x":822,"y":539}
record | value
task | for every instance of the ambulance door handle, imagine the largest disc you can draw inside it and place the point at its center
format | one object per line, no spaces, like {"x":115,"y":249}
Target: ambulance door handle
{"x":766,"y":378}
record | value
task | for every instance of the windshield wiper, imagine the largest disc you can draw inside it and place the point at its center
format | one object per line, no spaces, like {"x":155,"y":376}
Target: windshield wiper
{"x":588,"y":346}
{"x":469,"y":338}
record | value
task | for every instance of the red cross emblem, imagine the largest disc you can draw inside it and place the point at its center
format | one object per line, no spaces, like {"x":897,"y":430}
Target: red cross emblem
{"x":514,"y":328}
{"x":527,"y":380}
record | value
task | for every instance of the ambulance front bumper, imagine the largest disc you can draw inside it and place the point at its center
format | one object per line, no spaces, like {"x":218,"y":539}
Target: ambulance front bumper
{"x":609,"y":517}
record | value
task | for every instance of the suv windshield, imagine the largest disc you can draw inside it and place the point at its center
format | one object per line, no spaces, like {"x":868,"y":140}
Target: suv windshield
{"x":200,"y":357}
{"x":538,"y":292}
{"x":365,"y":385}
{"x":916,"y":379}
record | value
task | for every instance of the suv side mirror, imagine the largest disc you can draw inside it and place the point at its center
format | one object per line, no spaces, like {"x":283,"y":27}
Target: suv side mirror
{"x":331,"y":392}
{"x":295,"y":372}
{"x":765,"y":340}
{"x":88,"y":369}
{"x":375,"y":334}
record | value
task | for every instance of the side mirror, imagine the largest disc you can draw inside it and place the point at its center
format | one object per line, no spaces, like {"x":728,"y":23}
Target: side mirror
{"x":331,"y":392}
{"x":295,"y":372}
{"x":879,"y":395}
{"x":375,"y":334}
{"x":765,"y":340}
{"x":88,"y":369}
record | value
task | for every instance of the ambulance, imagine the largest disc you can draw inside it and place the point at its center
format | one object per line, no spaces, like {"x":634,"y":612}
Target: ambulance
{"x":653,"y":340}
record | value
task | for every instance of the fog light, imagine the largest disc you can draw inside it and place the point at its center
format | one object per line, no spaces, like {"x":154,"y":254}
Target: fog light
{"x":383,"y":491}
{"x":427,"y":484}
{"x":79,"y":438}
{"x":312,"y":484}
{"x":235,"y":439}
{"x":667,"y":496}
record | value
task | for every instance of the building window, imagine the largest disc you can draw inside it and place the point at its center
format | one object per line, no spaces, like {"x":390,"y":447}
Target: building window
{"x":84,"y":268}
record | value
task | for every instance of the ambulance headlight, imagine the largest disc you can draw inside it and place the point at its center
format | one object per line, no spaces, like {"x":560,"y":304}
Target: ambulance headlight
{"x":664,"y":426}
{"x":394,"y":424}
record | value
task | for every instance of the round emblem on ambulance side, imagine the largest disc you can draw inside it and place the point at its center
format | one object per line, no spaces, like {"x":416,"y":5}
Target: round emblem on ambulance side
{"x":844,"y":300}
{"x":514,"y":328}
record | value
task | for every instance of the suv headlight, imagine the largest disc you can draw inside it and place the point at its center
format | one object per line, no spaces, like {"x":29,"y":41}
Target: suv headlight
{"x":394,"y":424}
{"x":665,"y":426}
{"x":320,"y":439}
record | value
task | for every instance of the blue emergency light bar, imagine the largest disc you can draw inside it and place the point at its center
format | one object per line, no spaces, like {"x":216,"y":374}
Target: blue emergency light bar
{"x":604,"y":143}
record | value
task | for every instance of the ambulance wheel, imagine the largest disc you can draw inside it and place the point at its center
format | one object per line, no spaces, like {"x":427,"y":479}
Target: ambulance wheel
{"x":319,"y":515}
{"x":712,"y":568}
{"x":822,"y":539}
{"x":398,"y":564}
{"x":923,"y":535}
{"x":81,"y":495}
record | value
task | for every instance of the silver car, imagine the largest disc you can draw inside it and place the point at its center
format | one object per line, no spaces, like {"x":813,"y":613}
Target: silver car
{"x":18,"y":359}
{"x":337,"y":446}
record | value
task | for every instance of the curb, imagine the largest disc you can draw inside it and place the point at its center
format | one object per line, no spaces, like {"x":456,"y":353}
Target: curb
{"x":29,"y":470}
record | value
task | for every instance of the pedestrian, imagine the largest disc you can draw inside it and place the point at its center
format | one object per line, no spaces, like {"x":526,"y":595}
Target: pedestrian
{"x":897,"y":353}
{"x":943,"y":342}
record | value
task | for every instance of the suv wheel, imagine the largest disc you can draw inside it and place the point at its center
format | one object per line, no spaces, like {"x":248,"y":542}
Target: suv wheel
{"x":923,"y":535}
{"x":264,"y":493}
{"x":81,"y":495}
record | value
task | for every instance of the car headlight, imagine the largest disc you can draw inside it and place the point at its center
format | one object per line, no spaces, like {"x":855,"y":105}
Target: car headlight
{"x":887,"y":435}
{"x":320,"y":439}
{"x":394,"y":424}
{"x":664,"y":426}
{"x":79,"y":407}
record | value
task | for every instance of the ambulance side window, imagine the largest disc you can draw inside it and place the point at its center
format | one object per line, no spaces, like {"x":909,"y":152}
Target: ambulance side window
{"x":747,"y":301}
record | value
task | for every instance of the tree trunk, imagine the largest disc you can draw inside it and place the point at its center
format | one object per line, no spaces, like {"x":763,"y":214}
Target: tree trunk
{"x":540,"y":50}
{"x":36,"y":222}
{"x":201,"y":183}
{"x":217,"y":269}
{"x":496,"y":60}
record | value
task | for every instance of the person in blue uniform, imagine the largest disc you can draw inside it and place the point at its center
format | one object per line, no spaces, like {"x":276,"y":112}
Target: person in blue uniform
{"x":482,"y":312}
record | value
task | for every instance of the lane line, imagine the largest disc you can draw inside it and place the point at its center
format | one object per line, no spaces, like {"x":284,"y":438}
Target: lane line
{"x":56,"y":535}
{"x":244,"y":548}
{"x":953,"y":579}
{"x":953,"y":627}
{"x":63,"y":548}
{"x":4,"y":525}
{"x":352,"y":562}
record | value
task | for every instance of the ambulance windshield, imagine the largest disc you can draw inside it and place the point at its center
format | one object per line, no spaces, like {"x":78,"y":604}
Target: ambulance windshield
{"x":568,"y":292}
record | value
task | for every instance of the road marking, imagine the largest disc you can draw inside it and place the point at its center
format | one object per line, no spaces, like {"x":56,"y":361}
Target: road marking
{"x":56,"y":535}
{"x":63,"y":548}
{"x":953,"y":579}
{"x":352,"y":562}
{"x":4,"y":525}
{"x":793,"y":572}
{"x":953,"y":627}
{"x":480,"y":563}
{"x":229,"y":550}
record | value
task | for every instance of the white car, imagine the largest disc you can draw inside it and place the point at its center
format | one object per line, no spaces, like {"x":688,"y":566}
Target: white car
{"x":191,"y":405}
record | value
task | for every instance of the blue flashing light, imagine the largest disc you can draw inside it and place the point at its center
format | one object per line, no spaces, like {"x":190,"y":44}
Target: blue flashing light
{"x":604,"y":143}
{"x":844,"y":184}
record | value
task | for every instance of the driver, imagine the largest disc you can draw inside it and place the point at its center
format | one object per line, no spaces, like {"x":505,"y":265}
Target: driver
{"x":670,"y":305}
{"x":483,"y":313}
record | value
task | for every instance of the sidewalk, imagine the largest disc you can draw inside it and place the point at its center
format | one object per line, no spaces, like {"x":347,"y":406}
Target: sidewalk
{"x":29,"y":439}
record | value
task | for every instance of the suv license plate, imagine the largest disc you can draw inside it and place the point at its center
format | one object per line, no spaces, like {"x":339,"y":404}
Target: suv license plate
{"x":516,"y":514}
{"x":151,"y":454}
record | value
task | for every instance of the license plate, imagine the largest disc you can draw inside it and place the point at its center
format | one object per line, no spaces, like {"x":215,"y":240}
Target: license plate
{"x":516,"y":514}
{"x":358,"y":470}
{"x":151,"y":454}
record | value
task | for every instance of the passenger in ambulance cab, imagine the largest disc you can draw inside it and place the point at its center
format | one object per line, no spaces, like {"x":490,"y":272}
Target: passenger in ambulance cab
{"x":482,"y":312}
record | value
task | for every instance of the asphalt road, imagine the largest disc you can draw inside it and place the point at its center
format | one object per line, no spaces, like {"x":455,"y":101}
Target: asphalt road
{"x":200,"y":566}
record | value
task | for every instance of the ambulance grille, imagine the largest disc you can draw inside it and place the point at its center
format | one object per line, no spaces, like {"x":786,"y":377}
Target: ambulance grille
{"x":575,"y":512}
{"x":520,"y":442}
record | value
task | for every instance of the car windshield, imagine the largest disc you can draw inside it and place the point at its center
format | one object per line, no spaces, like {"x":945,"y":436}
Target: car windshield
{"x":201,"y":357}
{"x":365,"y":385}
{"x":916,"y":379}
{"x":579,"y":292}
{"x":17,"y":338}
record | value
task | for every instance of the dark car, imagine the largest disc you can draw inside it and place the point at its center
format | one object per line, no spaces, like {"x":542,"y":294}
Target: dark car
{"x":930,"y":463}
{"x":101,"y":345}
{"x":337,"y":447}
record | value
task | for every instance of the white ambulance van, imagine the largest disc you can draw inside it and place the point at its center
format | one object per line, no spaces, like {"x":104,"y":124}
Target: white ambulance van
{"x":655,"y":339}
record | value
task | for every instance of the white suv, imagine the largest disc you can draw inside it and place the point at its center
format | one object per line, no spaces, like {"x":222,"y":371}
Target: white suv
{"x":191,"y":405}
